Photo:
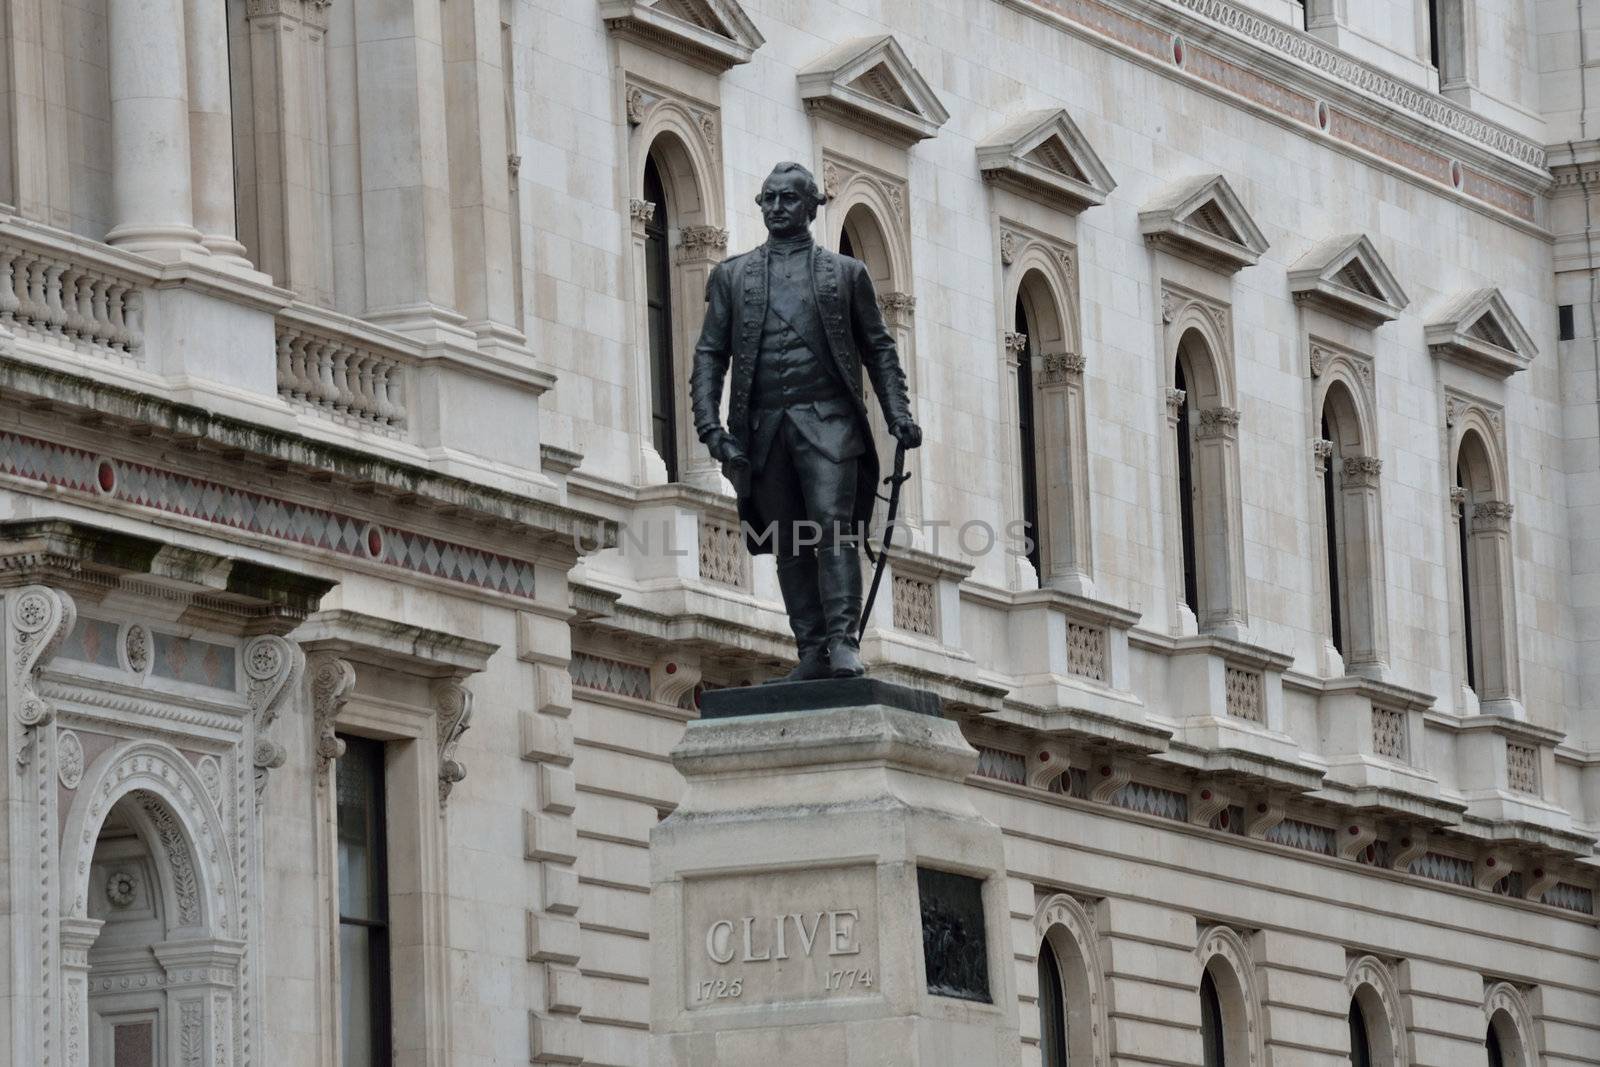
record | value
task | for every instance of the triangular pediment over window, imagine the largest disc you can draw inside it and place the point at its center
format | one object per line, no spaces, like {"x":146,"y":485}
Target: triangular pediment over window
{"x":870,"y":83}
{"x":1043,"y":154}
{"x":1203,"y":219}
{"x":1478,"y":329}
{"x":711,"y":34}
{"x":1346,"y":277}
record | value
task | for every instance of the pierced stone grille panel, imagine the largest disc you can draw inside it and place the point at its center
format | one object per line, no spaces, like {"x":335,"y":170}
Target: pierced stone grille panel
{"x":1086,"y":651}
{"x":722,"y":556}
{"x":1001,"y":765}
{"x":610,"y":676}
{"x":1389,"y":734}
{"x":1244,"y":695}
{"x":1153,"y":800}
{"x":914,"y":606}
{"x":1522,"y":768}
{"x":1571,"y":897}
{"x":1307,"y":836}
{"x":1443,"y":868}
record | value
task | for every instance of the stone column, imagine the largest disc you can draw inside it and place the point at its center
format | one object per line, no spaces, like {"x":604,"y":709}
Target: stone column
{"x":289,"y":73}
{"x":1494,"y":631}
{"x":1183,"y":620}
{"x":211,"y":127}
{"x":700,"y":249}
{"x":1366,"y":613}
{"x":1218,"y":546}
{"x":151,"y":190}
{"x":826,"y":892}
{"x":77,"y":937}
{"x":405,"y":169}
{"x":652,"y":467}
{"x":1063,"y":503}
{"x":202,"y":977}
{"x":1016,"y":350}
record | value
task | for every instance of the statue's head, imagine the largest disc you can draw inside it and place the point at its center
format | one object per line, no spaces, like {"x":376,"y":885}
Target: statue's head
{"x":788,"y":200}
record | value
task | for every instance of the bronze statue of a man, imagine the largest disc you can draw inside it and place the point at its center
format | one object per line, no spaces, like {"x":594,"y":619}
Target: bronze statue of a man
{"x":799,"y":324}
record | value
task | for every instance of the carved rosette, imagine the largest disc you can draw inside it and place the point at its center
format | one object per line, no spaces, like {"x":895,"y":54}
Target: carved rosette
{"x":1218,"y":422}
{"x":136,"y":648}
{"x":1008,"y":247}
{"x":69,"y":759}
{"x":272,"y":666}
{"x":39,"y":620}
{"x":453,"y":702}
{"x":1361,"y":472}
{"x":332,"y":681}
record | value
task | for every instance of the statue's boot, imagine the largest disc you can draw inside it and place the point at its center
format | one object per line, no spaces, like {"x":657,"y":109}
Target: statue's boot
{"x":797,"y":577}
{"x":840,"y":571}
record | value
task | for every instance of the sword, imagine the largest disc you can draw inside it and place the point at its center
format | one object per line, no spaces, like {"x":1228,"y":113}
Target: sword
{"x":894,"y":482}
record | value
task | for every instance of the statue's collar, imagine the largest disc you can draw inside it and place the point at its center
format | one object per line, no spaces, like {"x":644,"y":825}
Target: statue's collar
{"x":789,"y":244}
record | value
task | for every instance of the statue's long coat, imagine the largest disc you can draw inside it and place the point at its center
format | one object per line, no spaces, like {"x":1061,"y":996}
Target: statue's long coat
{"x":854,"y":337}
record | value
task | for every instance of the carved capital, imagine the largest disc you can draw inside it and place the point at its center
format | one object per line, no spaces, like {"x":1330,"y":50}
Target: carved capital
{"x":1458,"y":496}
{"x":332,"y":681}
{"x":1175,"y":399}
{"x":453,"y":702}
{"x":38,"y":619}
{"x":1361,"y":472}
{"x":1218,"y":422}
{"x":1063,"y":366}
{"x":1321,"y":451}
{"x":897,"y":307}
{"x":701,"y":239}
{"x":1016,"y":344}
{"x":640,"y":214}
{"x":1492,"y":516}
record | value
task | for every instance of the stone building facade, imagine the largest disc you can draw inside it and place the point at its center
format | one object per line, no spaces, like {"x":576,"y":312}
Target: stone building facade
{"x":360,"y":569}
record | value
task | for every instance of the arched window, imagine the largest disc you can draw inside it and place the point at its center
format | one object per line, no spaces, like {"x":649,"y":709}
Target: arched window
{"x":658,"y":302}
{"x":1509,"y":1039}
{"x":1464,"y":550}
{"x":1355,"y":613}
{"x":1491,"y":1045}
{"x":1213,"y":1030}
{"x":1360,"y":1043}
{"x":863,"y":238}
{"x":1053,"y":1034}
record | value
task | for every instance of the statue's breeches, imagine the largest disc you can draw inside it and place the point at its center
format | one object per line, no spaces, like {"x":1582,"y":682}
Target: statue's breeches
{"x":805,"y":500}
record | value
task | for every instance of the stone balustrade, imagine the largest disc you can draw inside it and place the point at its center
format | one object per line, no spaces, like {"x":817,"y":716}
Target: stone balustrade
{"x":342,"y":370}
{"x":73,"y":294}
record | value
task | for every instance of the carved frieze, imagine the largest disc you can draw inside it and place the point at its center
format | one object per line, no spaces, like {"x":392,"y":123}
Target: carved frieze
{"x":1362,"y":471}
{"x":1218,"y":422}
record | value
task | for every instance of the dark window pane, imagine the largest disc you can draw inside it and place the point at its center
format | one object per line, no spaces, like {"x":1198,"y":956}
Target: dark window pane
{"x":1052,"y":1010}
{"x":363,"y":906}
{"x":1186,"y":501}
{"x":1331,"y":519}
{"x":1567,"y":328}
{"x":1360,"y":1046}
{"x":1491,"y":1044}
{"x":1212,"y":1036}
{"x":1463,"y":514}
{"x":1029,"y":443}
{"x":658,"y":300}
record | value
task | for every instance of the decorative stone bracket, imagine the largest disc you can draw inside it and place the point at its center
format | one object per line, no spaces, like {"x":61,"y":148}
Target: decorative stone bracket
{"x":454,"y":702}
{"x":332,"y":681}
{"x":273,"y":667}
{"x":38,"y":619}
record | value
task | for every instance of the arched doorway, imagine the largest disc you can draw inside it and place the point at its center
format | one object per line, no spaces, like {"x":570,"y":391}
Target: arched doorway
{"x":151,"y":954}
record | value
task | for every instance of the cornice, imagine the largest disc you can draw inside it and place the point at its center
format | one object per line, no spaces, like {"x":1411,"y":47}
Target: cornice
{"x":1300,"y":82}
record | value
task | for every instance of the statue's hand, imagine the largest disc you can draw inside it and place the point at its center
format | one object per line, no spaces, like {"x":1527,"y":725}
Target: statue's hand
{"x":724,"y":449}
{"x":908,"y":433}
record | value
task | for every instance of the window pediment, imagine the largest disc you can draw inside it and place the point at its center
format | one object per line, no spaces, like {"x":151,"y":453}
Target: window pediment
{"x":1204,"y":220}
{"x":869,"y":82}
{"x":1044,"y":155}
{"x":1478,"y":330}
{"x":710,"y":34}
{"x":1346,"y":277}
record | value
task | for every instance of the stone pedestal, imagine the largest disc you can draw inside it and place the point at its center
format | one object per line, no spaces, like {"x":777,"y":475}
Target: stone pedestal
{"x":826,"y":893}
